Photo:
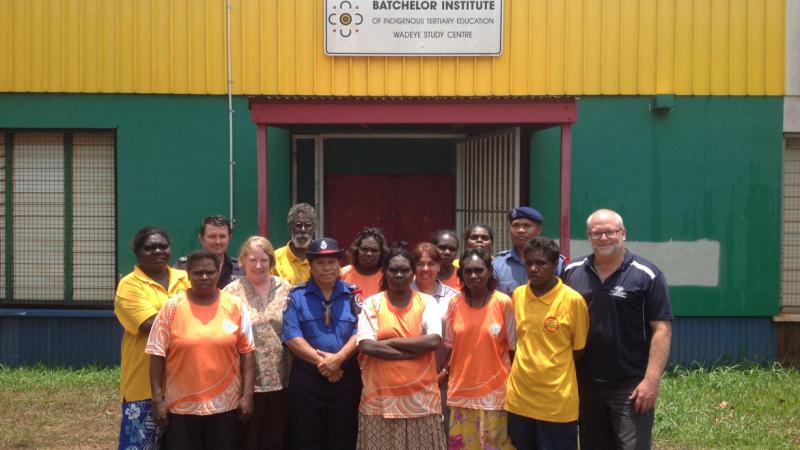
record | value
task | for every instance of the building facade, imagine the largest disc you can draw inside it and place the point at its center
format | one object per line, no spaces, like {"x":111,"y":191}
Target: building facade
{"x":683,"y":116}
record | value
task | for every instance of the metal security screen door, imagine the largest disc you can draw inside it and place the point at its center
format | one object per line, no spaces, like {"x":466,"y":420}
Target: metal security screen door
{"x":487,"y":181}
{"x":790,"y":271}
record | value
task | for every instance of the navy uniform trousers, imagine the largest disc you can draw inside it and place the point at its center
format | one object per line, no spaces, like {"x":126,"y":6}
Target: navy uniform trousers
{"x":324,"y":415}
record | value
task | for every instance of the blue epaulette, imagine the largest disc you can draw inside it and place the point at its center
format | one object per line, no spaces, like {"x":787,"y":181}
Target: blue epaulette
{"x":298,"y":286}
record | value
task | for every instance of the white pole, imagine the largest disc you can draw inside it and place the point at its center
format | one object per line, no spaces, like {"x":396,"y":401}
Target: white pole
{"x":231,"y":162}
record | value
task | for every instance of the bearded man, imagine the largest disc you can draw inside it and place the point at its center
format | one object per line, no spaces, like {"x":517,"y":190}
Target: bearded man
{"x":290,"y":260}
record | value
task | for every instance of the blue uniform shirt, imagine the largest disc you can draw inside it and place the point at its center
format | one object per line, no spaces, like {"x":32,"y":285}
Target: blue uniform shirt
{"x":304,"y":317}
{"x":509,"y":270}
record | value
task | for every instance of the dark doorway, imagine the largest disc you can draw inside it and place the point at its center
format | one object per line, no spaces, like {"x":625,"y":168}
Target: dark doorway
{"x":406,"y":207}
{"x":405,"y":186}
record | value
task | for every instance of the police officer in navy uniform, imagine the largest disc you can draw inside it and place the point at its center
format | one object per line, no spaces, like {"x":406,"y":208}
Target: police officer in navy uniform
{"x":319,"y":328}
{"x":524,"y":223}
{"x":215,"y":235}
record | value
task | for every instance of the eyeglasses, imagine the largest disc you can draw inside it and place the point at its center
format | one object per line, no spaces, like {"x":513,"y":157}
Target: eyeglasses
{"x":611,"y":234}
{"x":300,"y":226}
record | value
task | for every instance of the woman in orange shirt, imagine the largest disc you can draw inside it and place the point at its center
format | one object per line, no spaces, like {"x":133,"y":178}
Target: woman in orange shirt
{"x":366,"y":259}
{"x":480,"y":330}
{"x":399,"y":330}
{"x":202,"y":368}
{"x":447,"y":243}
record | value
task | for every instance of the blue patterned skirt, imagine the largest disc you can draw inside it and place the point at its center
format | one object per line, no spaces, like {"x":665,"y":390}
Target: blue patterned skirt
{"x":138,"y":430}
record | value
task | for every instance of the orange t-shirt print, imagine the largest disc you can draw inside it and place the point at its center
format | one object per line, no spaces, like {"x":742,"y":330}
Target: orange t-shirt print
{"x":402,"y":388}
{"x":481,"y":339}
{"x":202,"y":346}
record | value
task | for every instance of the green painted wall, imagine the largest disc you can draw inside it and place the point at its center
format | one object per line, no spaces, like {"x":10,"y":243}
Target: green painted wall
{"x":709,"y":169}
{"x":172,"y":159}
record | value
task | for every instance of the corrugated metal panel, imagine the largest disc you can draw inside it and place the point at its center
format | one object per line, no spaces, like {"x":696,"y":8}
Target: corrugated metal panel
{"x":715,"y":340}
{"x":78,"y":341}
{"x":59,"y":341}
{"x":552,"y":47}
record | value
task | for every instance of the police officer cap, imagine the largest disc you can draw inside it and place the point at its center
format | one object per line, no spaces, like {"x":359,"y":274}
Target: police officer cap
{"x":525,"y":212}
{"x":324,"y":247}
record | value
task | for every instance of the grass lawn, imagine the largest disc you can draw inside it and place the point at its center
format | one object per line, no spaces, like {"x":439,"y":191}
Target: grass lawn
{"x":56,"y":408}
{"x":729,"y":407}
{"x":725,"y":408}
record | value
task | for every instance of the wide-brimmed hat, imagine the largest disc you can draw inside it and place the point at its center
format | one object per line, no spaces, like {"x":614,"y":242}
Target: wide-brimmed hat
{"x":324,"y":247}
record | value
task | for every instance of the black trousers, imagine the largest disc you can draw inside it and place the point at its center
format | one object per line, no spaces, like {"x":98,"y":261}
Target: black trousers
{"x":609,"y":419}
{"x":213,"y":432}
{"x":267,"y":426}
{"x":324,"y":415}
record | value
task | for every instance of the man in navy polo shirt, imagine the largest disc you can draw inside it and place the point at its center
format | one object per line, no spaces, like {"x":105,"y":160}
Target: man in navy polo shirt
{"x":630,"y":328}
{"x":524,"y":224}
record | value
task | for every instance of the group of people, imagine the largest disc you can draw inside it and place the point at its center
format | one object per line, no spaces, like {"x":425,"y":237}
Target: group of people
{"x":420,"y":348}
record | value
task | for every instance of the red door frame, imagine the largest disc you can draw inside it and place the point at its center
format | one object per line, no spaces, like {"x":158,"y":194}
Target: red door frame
{"x":536,"y":112}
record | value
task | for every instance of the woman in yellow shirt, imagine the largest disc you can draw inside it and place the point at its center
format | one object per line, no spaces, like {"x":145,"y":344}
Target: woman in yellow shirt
{"x":140,"y":295}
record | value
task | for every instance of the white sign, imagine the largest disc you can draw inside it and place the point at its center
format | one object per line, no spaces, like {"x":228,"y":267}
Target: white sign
{"x":414,"y":27}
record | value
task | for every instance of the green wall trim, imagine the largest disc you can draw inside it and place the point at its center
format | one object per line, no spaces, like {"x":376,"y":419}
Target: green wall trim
{"x":68,"y":215}
{"x":9,"y":219}
{"x":707,"y":171}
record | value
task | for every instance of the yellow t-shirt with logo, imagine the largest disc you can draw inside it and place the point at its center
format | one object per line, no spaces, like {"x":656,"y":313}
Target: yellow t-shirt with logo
{"x":542,"y":384}
{"x":139,"y":298}
{"x":290,"y":267}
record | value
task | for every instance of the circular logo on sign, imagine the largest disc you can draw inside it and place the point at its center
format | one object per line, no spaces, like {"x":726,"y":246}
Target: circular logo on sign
{"x":551,"y":324}
{"x":494,"y":329}
{"x":345,"y":22}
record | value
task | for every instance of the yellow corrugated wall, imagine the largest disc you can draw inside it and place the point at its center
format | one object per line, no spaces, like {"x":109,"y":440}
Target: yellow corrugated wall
{"x":552,"y":47}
